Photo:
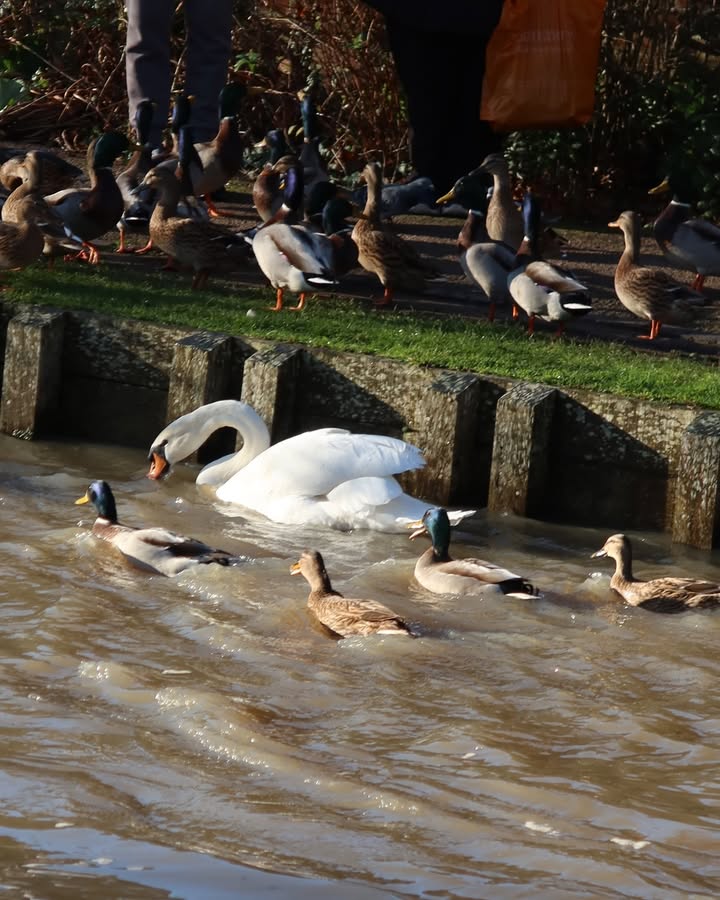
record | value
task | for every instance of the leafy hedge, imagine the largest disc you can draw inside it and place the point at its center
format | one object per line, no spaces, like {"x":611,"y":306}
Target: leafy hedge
{"x":658,"y":91}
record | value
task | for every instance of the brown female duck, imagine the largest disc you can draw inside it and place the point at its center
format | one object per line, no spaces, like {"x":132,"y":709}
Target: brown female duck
{"x":504,"y":219}
{"x":27,"y":204}
{"x":57,"y":173}
{"x":383,"y":252}
{"x":21,"y":242}
{"x":340,"y":615}
{"x":647,"y":292}
{"x":88,"y":213}
{"x":201,"y":246}
{"x":667,"y":595}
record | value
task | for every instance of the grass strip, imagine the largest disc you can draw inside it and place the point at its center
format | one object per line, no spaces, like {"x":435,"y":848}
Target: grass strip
{"x":344,"y":324}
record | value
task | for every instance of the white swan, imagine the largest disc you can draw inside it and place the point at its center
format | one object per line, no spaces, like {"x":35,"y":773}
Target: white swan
{"x":327,"y":477}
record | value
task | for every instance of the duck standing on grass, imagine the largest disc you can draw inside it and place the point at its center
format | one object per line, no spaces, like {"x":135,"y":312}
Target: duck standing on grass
{"x":201,"y":246}
{"x":291,"y":255}
{"x":343,"y":616}
{"x":688,"y":242}
{"x":438,"y":572}
{"x":485,"y":262}
{"x":89,"y":213}
{"x":21,"y":242}
{"x":154,"y":549}
{"x":650,"y":293}
{"x":540,"y":289}
{"x":384,"y":253}
{"x":665,"y":595}
{"x":27,"y":204}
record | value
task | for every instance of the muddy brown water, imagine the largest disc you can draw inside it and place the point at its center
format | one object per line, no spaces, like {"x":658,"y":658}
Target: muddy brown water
{"x":200,"y":738}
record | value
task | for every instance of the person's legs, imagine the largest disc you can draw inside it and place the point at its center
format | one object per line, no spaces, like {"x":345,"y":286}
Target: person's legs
{"x":147,"y":59}
{"x":209,"y":43}
{"x":472,"y":138}
{"x":441,"y":75}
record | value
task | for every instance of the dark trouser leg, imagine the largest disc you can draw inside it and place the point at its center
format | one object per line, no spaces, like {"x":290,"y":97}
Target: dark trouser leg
{"x":441,"y":75}
{"x":208,"y":25}
{"x":147,"y":59}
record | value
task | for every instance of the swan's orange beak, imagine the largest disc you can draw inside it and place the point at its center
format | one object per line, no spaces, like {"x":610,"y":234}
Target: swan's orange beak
{"x":159,"y":466}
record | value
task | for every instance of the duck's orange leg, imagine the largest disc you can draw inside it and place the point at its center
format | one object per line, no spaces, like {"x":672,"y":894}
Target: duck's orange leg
{"x":122,"y":246}
{"x":213,"y":211}
{"x":491,"y":311}
{"x":278,"y":301}
{"x":386,"y":299}
{"x":531,"y":324}
{"x":515,"y":311}
{"x":301,"y":302}
{"x":146,"y":248}
{"x":654,"y":329}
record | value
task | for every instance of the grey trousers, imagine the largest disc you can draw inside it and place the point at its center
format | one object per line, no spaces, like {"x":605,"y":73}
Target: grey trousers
{"x":208,"y":41}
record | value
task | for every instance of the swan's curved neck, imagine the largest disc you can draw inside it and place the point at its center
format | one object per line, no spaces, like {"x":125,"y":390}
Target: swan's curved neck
{"x":186,"y":434}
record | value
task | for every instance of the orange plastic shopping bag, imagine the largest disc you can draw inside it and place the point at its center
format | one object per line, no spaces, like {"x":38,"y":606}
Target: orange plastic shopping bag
{"x":541,"y":64}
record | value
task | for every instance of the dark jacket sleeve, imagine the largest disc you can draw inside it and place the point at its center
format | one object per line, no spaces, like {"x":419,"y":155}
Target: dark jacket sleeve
{"x":454,"y":16}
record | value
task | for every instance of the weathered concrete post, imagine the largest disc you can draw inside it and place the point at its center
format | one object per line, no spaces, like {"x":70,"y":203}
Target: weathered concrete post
{"x":32,"y":373}
{"x":518,"y":473}
{"x":200,"y":374}
{"x":447,"y":414}
{"x":270,"y":379}
{"x":696,"y":515}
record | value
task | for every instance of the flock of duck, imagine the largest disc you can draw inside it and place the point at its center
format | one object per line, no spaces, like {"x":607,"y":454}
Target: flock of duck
{"x":302,"y":240}
{"x":337,"y":479}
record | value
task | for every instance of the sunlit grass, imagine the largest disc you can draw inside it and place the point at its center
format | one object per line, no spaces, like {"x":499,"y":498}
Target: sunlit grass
{"x":345,"y":324}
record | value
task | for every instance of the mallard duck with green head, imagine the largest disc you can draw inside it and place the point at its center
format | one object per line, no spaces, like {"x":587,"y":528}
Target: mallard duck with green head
{"x":153,"y":549}
{"x":648,"y":292}
{"x":668,"y":594}
{"x":344,"y":616}
{"x":687,"y":241}
{"x":222,"y":157}
{"x":89,"y":213}
{"x":438,"y":572}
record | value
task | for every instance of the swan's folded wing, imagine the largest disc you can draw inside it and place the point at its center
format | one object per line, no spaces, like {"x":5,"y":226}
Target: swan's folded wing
{"x":361,"y":493}
{"x":314,"y":463}
{"x":155,"y":539}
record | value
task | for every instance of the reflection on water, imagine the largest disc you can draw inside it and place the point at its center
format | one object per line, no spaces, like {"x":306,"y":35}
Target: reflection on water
{"x":161,"y":736}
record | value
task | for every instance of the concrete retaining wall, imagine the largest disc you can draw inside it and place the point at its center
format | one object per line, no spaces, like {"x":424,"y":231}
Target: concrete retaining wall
{"x":568,"y":456}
